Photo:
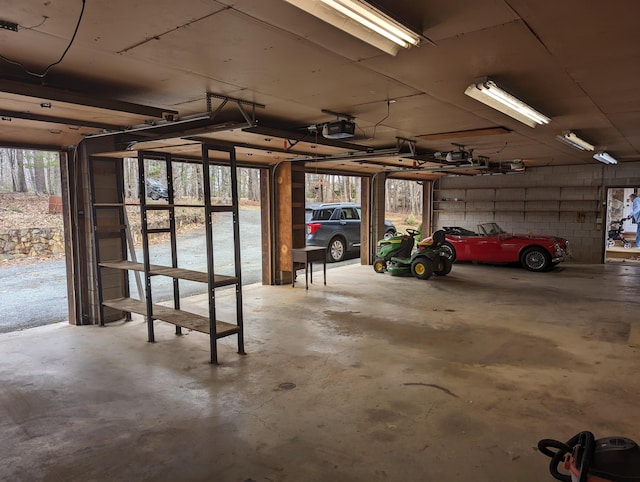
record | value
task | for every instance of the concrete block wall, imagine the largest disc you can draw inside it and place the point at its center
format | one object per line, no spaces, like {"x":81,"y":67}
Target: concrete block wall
{"x":567,"y":201}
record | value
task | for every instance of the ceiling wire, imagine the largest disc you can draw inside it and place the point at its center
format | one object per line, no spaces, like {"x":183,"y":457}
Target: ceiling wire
{"x":373,"y":135}
{"x":50,"y":66}
{"x":44,"y":19}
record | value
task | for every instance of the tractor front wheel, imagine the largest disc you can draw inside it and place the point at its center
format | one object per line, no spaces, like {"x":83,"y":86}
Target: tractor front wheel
{"x":422,"y":268}
{"x":379,"y":265}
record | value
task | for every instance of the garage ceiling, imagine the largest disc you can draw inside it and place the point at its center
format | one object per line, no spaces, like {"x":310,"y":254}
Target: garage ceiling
{"x":279,"y":74}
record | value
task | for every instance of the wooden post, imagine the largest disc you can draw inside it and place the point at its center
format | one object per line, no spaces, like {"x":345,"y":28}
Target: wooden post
{"x":427,"y":228}
{"x":290,"y":230}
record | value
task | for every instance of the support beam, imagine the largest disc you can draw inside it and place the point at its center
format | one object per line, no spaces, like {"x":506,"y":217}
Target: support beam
{"x":367,"y":242}
{"x":85,"y":277}
{"x":57,"y":120}
{"x":290,"y":229}
{"x":67,"y":175}
{"x":427,"y":208}
{"x":52,"y":93}
{"x":378,"y":186}
{"x":267,"y":209}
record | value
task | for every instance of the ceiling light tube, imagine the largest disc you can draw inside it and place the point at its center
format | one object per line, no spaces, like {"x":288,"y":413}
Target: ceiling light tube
{"x":382,"y":21}
{"x":367,"y":23}
{"x":574,"y":141}
{"x":489,"y":93}
{"x":363,"y":21}
{"x":605,"y":158}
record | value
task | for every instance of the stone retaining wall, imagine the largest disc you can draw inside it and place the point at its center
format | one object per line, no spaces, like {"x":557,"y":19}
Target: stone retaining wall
{"x":35,"y":242}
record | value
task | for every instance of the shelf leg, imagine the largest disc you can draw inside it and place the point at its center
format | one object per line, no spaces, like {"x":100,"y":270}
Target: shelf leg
{"x":213,"y":347}
{"x":151,"y":335}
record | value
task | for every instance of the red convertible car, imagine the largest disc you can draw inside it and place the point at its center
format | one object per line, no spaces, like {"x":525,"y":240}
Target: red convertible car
{"x":490,"y":244}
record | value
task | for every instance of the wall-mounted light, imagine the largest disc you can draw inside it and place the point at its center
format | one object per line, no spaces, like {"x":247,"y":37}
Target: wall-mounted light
{"x":517,"y":165}
{"x":605,"y":158}
{"x":358,"y":18}
{"x":571,"y":139}
{"x":488,"y":92}
{"x":46,"y":105}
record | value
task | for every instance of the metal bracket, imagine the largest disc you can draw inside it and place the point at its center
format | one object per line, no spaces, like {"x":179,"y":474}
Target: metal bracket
{"x":402,"y":141}
{"x":250,"y":118}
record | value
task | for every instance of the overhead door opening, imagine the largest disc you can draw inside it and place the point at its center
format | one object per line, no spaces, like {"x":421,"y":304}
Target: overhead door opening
{"x":403,"y":204}
{"x":334,"y":212}
{"x":333,"y":215}
{"x":32,"y":243}
{"x":190,"y":222}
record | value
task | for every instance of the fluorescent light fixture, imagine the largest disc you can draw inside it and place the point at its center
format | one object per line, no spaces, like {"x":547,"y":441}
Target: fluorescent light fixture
{"x":487,"y":92}
{"x":363,"y":21}
{"x":605,"y":158}
{"x":573,"y":140}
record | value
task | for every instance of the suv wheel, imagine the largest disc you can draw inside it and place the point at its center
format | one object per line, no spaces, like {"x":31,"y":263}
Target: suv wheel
{"x":337,"y":249}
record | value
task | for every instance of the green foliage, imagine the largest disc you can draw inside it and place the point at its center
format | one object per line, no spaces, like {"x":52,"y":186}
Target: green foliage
{"x":153,"y":168}
{"x":411,"y":220}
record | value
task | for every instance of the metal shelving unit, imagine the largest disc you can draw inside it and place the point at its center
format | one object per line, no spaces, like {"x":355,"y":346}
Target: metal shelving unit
{"x":210,"y":325}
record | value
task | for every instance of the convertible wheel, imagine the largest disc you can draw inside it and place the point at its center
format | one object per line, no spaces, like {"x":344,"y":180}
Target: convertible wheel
{"x":449,"y":251}
{"x":337,"y":249}
{"x":536,"y":259}
{"x":443,"y":267}
{"x":422,"y":268}
{"x":379,"y":265}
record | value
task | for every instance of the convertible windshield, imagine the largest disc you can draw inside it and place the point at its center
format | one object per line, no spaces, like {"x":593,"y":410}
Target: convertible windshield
{"x":489,"y":229}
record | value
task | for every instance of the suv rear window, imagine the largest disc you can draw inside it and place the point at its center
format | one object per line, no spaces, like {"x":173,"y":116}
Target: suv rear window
{"x":322,"y":214}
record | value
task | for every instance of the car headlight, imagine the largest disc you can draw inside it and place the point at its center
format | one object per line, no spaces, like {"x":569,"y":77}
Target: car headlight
{"x":561,"y":249}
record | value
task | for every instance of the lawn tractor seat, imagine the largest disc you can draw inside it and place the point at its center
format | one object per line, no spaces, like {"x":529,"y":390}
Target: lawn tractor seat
{"x":434,"y":241}
{"x":406,"y":246}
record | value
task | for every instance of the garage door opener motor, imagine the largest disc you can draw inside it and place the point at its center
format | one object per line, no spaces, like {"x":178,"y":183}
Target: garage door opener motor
{"x":609,"y":459}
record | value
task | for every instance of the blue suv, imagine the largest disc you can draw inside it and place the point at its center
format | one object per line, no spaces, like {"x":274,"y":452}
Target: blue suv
{"x":336,"y":226}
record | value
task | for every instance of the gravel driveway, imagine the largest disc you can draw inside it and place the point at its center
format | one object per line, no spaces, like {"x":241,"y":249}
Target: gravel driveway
{"x":36,"y":294}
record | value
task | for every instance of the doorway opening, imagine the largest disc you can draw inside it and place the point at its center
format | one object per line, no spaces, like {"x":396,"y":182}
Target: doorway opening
{"x":333,"y":215}
{"x":403,"y":204}
{"x":620,"y":232}
{"x":32,"y":243}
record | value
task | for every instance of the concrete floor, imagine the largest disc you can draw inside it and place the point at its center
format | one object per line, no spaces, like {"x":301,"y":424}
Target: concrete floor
{"x":396,"y":379}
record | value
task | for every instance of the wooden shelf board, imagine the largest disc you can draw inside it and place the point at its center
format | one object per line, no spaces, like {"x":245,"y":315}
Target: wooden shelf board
{"x":181,"y":318}
{"x":179,"y":273}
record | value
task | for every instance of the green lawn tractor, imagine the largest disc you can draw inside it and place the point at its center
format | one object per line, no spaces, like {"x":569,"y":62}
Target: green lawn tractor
{"x":395,"y":256}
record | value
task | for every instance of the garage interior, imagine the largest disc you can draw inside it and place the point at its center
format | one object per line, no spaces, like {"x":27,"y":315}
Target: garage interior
{"x":370,"y":377}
